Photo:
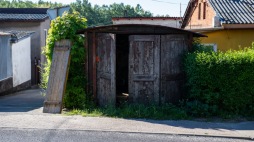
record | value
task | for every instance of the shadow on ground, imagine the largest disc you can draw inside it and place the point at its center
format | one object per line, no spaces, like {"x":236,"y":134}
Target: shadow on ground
{"x":24,"y":101}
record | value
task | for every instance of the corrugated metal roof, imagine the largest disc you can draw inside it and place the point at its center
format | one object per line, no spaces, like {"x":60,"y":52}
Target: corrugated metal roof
{"x":5,"y":16}
{"x":24,"y":10}
{"x":18,"y":14}
{"x":234,"y":11}
{"x":18,"y":35}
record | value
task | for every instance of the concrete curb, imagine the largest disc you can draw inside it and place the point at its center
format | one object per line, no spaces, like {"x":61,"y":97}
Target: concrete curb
{"x":142,"y":132}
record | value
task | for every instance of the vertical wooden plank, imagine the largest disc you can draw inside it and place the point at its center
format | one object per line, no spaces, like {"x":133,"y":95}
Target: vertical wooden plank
{"x":156,"y":72}
{"x":106,"y":66}
{"x":139,"y":85}
{"x":94,"y":66}
{"x":172,"y":46}
{"x":131,"y":66}
{"x":113,"y":68}
{"x":58,"y":77}
{"x":90,"y":62}
{"x":99,"y":81}
{"x":86,"y":61}
{"x":144,"y":59}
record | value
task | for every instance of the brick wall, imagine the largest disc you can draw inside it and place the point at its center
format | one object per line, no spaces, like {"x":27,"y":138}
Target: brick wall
{"x":195,"y":22}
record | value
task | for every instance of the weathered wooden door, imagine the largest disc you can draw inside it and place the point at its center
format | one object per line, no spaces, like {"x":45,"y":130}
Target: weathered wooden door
{"x":144,"y":68}
{"x":172,"y":76}
{"x":58,"y":77}
{"x":106,"y":67}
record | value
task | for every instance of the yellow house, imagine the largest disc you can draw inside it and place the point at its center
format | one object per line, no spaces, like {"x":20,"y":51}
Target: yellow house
{"x":229,"y":24}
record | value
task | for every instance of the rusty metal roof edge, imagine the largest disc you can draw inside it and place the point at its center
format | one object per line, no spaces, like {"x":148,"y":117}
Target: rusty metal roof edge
{"x":148,"y":25}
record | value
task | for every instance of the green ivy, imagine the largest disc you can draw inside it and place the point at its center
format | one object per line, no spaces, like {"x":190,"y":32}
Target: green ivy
{"x":219,"y":83}
{"x":65,"y":27}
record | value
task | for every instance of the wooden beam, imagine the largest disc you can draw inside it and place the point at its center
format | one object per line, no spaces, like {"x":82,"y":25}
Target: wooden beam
{"x":86,"y":61}
{"x":58,"y":77}
{"x":94,"y":66}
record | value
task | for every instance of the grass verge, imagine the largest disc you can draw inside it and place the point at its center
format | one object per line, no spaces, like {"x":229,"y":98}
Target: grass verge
{"x":138,"y":111}
{"x":164,"y":112}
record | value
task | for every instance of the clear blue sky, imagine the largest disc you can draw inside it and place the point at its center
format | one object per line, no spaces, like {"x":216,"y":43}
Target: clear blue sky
{"x":162,"y":7}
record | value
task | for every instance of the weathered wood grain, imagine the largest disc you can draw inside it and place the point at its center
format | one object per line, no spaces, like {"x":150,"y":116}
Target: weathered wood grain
{"x":137,"y":77}
{"x":94,"y":66}
{"x":58,"y":77}
{"x":105,"y":68}
{"x":86,"y":61}
{"x":172,"y":76}
{"x":144,"y":68}
{"x":90,"y":62}
{"x":105,"y":75}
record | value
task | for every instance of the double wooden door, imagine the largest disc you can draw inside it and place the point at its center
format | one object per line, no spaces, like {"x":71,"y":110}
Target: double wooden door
{"x":155,"y":73}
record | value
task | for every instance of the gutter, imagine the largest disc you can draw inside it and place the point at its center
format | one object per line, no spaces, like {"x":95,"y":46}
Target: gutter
{"x":206,"y":29}
{"x":14,"y":38}
{"x":21,"y":20}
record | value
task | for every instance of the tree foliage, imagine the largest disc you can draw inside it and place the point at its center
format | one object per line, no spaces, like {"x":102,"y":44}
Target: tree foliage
{"x":96,"y":15}
{"x":65,"y":27}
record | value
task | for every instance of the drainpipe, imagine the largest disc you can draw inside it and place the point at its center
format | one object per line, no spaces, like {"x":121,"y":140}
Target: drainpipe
{"x":36,"y":77}
{"x":39,"y":64}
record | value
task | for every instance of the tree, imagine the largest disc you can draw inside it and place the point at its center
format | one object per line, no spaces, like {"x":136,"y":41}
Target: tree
{"x":96,"y":15}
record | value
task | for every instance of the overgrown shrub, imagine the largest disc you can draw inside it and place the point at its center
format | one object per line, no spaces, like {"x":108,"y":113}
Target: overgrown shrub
{"x":65,"y":27}
{"x":219,"y":83}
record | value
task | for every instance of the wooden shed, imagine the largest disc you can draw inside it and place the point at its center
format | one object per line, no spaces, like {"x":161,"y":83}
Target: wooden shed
{"x":140,"y":61}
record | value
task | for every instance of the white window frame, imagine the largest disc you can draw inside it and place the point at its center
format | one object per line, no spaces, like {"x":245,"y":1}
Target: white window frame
{"x":211,"y":44}
{"x":45,"y":36}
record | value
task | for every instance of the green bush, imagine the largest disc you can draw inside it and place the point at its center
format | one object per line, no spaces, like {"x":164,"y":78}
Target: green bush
{"x":65,"y":27}
{"x":219,"y":83}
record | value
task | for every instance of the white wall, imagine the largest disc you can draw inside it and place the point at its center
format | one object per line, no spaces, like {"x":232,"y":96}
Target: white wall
{"x":21,"y":61}
{"x":5,"y":57}
{"x":167,"y":22}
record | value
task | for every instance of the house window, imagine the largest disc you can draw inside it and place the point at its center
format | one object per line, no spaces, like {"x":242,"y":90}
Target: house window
{"x":199,"y":11}
{"x":204,"y":13}
{"x":45,"y":36}
{"x":212,"y":46}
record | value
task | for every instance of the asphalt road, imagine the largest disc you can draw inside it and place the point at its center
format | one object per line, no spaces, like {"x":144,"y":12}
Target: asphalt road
{"x":29,"y":101}
{"x":44,"y":135}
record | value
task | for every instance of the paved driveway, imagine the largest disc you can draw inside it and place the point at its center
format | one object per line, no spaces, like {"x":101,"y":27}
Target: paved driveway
{"x":24,"y":101}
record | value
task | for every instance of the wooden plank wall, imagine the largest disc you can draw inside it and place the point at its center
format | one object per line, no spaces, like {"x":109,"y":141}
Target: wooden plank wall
{"x":58,"y":77}
{"x":90,"y":63}
{"x":105,"y":69}
{"x":172,"y":76}
{"x":144,"y":68}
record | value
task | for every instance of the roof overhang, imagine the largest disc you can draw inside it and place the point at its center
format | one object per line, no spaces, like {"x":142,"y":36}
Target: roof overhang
{"x":22,"y":20}
{"x":138,"y":29}
{"x":17,"y":36}
{"x":203,"y":30}
{"x":146,"y":18}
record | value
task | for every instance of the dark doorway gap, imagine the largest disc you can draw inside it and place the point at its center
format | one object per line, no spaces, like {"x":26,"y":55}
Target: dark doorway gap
{"x":122,"y":67}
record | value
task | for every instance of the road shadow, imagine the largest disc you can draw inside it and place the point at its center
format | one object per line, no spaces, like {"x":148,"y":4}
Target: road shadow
{"x":218,"y":126}
{"x":23,"y":101}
